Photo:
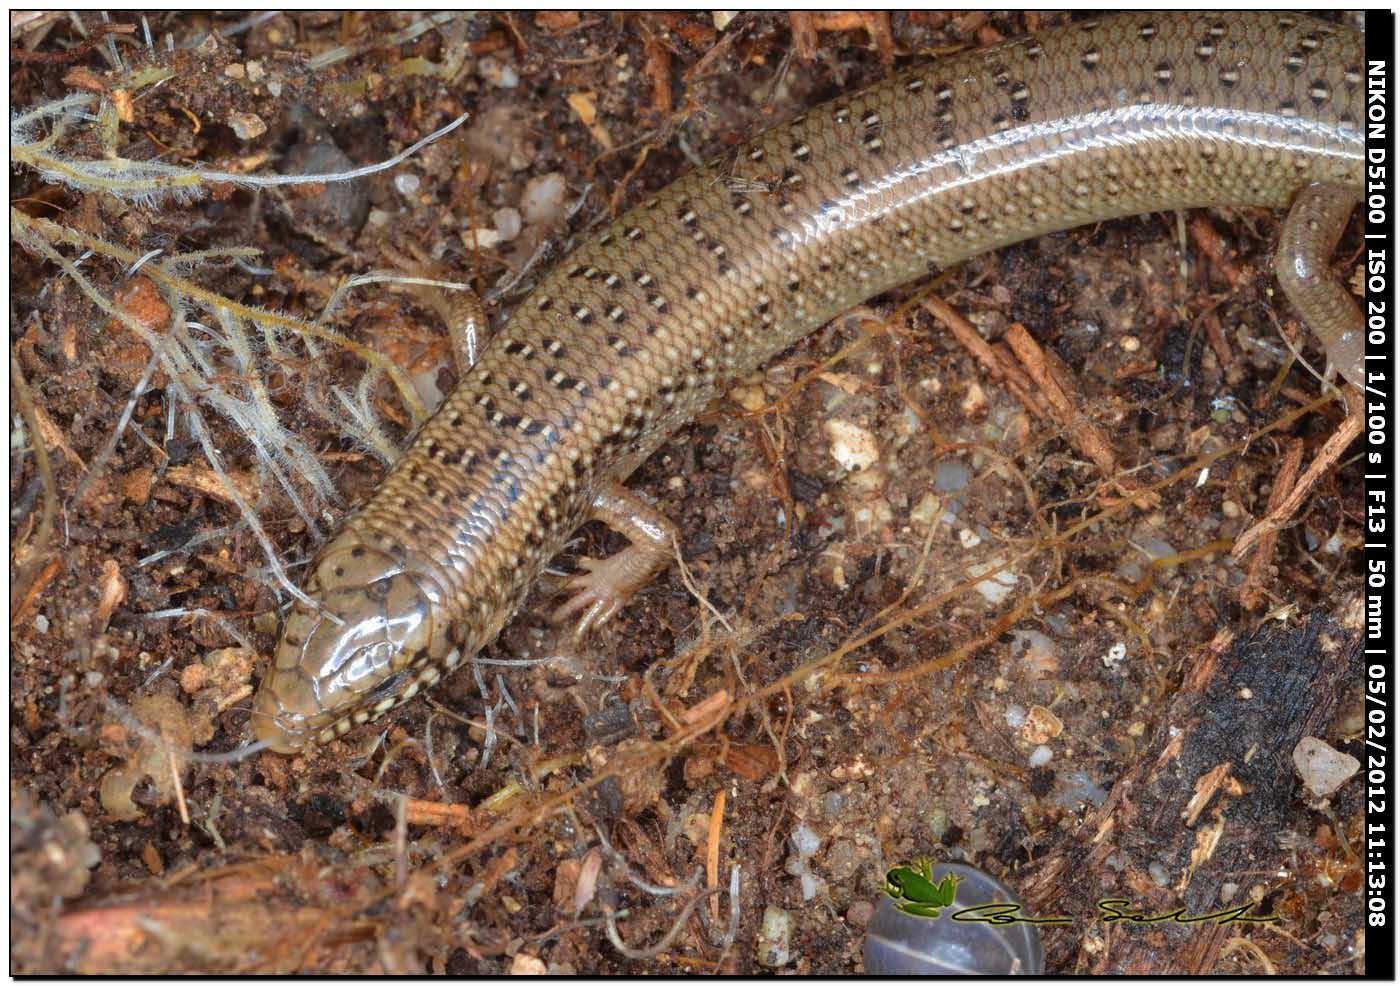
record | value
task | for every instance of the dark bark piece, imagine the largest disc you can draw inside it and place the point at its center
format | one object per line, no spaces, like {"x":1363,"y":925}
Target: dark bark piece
{"x":1206,"y":802}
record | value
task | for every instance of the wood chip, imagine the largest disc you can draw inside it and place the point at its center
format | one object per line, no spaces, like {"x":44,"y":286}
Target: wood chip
{"x":712,"y":852}
{"x":207,"y":481}
{"x":707,"y":708}
{"x":1331,"y":451}
{"x":585,"y":106}
{"x":113,"y":592}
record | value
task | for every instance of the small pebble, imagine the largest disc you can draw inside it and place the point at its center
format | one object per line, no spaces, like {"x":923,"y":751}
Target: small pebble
{"x":750,"y":397}
{"x":999,"y":586}
{"x":1041,"y":726}
{"x":926,"y":511}
{"x":406,"y":184}
{"x":938,"y":823}
{"x":247,"y":126}
{"x":542,"y":202}
{"x":193,"y":678}
{"x":508,"y":223}
{"x":525,"y":964}
{"x":1322,"y":768}
{"x":975,"y":402}
{"x":773,"y":948}
{"x":480,"y":239}
{"x":1040,"y":756}
{"x":805,"y":842}
{"x":860,"y":912}
{"x":342,"y":206}
{"x":1079,"y":789}
{"x":1156,"y":547}
{"x":1037,"y":650}
{"x":41,"y":623}
{"x":951,"y":476}
{"x":497,"y":72}
{"x":851,"y":445}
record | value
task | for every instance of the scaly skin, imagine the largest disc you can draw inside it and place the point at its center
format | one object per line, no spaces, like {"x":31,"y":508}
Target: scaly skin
{"x":643,"y":325}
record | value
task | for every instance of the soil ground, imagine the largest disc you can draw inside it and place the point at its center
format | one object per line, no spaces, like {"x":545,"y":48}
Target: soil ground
{"x":956,"y":650}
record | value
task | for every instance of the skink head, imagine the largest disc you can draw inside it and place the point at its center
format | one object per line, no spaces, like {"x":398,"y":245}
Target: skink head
{"x":372,"y":645}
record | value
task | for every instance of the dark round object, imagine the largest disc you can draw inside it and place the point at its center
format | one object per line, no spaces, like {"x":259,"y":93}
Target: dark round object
{"x":900,"y":944}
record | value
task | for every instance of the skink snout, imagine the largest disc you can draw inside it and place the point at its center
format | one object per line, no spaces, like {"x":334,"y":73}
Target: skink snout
{"x":364,"y":649}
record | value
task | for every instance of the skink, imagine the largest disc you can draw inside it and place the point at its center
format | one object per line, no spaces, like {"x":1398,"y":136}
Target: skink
{"x":641,"y":327}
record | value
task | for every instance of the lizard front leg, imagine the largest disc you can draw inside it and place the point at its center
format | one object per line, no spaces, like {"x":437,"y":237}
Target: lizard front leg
{"x":606,"y":584}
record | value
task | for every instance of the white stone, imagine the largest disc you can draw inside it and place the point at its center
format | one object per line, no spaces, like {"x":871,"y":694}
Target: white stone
{"x":1322,"y":768}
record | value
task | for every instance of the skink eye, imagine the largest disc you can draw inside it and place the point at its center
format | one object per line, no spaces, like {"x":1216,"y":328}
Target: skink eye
{"x":389,"y":686}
